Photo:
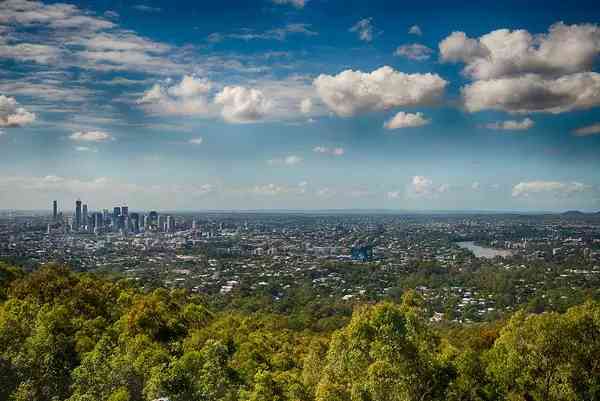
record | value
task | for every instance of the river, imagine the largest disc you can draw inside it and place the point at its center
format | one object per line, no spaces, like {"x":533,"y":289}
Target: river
{"x":484,"y":252}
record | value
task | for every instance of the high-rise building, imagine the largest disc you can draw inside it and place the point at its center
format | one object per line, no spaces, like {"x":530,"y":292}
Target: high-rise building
{"x":84,"y":219}
{"x":77,"y":223}
{"x":55,"y":210}
{"x":125,"y":218}
{"x":152,"y":222}
{"x":115,"y":218}
{"x":170,"y":225}
{"x":135,"y":222}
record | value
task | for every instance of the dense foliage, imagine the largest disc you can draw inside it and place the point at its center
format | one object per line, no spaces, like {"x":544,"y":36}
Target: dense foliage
{"x":76,"y":337}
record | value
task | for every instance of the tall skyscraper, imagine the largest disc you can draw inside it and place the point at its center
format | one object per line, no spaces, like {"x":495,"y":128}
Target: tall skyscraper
{"x":115,"y":218}
{"x":153,"y":222}
{"x":135,"y":222}
{"x":125,"y":218}
{"x":55,"y":210}
{"x":77,"y":224}
{"x":98,"y":220}
{"x":84,"y":219}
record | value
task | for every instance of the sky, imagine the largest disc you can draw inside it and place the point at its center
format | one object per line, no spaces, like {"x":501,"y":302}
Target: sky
{"x":300,"y":104}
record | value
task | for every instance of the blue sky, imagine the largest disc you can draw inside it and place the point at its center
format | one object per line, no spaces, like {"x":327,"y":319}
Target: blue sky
{"x":300,"y":104}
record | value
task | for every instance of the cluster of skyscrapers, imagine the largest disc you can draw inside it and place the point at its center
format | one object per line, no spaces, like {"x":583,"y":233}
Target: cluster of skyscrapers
{"x":120,"y":220}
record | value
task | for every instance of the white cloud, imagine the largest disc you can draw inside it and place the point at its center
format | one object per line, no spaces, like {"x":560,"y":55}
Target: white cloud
{"x":146,"y":9}
{"x":415,"y":30}
{"x":269,"y":190}
{"x":38,"y":53}
{"x":190,"y":87}
{"x":532,"y":93}
{"x":519,"y":72}
{"x":111,"y":14}
{"x":279,"y":34}
{"x":424,"y":187}
{"x":421,"y":185}
{"x":188,"y":97}
{"x":295,"y":3}
{"x":85,"y":149}
{"x":395,"y":194}
{"x":593,"y":129}
{"x":565,"y":49}
{"x":558,"y":188}
{"x":56,"y":16}
{"x":511,"y":125}
{"x":351,"y":92}
{"x":11,"y":115}
{"x":306,"y":106}
{"x":290,"y":160}
{"x":90,"y":136}
{"x":325,"y":193}
{"x":406,"y":120}
{"x":242,"y":105}
{"x":364,"y":29}
{"x":329,"y":151}
{"x":414,"y":51}
{"x":196,"y":141}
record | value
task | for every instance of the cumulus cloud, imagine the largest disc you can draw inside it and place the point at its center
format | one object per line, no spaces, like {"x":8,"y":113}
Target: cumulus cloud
{"x":351,"y":92}
{"x":533,"y":93}
{"x":188,"y":97}
{"x":565,"y":49}
{"x":12,"y":115}
{"x":295,"y":3}
{"x":414,"y":51}
{"x":511,"y":125}
{"x":290,"y":160}
{"x":593,"y":129}
{"x":519,"y":72}
{"x":423,"y":187}
{"x":364,"y":29}
{"x":558,"y":188}
{"x":196,"y":141}
{"x":90,"y":136}
{"x":415,"y":30}
{"x":329,"y":151}
{"x":242,"y":105}
{"x":406,"y":120}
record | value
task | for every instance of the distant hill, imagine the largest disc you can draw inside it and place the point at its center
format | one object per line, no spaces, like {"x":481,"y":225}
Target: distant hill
{"x":574,"y":213}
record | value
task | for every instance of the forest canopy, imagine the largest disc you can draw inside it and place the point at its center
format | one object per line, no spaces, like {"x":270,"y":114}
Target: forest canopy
{"x":76,"y":336}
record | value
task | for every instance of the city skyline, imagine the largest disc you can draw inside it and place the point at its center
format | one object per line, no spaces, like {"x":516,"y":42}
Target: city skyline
{"x":300,"y":105}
